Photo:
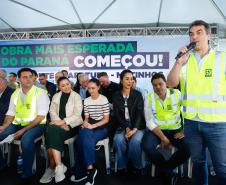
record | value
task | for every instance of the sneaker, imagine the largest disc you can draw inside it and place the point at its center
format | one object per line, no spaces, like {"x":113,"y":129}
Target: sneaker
{"x":78,"y":179}
{"x":174,"y":180}
{"x":165,"y":179}
{"x":59,"y":172}
{"x":91,"y":176}
{"x":48,"y":176}
{"x":98,"y":147}
{"x":121,"y":173}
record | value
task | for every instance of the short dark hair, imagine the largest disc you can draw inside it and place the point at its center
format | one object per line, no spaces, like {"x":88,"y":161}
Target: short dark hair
{"x":34,"y":73}
{"x":61,"y":79}
{"x":42,"y":74}
{"x":200,"y":23}
{"x":157,"y":76}
{"x":25,"y":69}
{"x":64,"y":70}
{"x":94,"y":80}
{"x":14,"y":74}
{"x":134,"y":78}
{"x":101,"y":74}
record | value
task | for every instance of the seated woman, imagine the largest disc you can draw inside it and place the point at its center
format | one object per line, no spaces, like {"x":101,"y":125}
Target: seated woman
{"x":65,"y":112}
{"x":94,"y":128}
{"x":128,"y":111}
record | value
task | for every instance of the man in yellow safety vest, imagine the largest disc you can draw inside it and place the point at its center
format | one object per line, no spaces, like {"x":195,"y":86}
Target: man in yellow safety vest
{"x":202,"y":77}
{"x":162,"y":113}
{"x":26,"y":118}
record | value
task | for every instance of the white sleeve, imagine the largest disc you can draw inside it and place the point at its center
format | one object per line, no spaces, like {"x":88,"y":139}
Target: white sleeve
{"x":149,"y":116}
{"x":11,"y":110}
{"x":42,"y":104}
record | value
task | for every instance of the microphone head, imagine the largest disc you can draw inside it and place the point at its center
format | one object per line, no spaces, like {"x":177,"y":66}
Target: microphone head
{"x":191,"y":46}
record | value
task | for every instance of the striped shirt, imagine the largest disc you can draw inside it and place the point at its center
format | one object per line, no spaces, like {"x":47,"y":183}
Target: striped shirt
{"x":96,"y":109}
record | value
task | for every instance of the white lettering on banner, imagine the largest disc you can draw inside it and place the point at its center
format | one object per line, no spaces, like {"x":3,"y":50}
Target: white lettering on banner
{"x":128,"y":59}
{"x":90,"y":61}
{"x":138,"y":58}
{"x":160,"y":60}
{"x":125,"y":61}
{"x":78,"y":61}
{"x":115,"y":61}
{"x":103,"y":61}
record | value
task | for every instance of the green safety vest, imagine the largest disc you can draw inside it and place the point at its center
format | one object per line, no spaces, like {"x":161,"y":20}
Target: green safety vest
{"x":204,"y":90}
{"x":26,"y":112}
{"x":167,"y":117}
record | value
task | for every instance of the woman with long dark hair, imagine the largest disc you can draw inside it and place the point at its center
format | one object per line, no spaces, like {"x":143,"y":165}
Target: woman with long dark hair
{"x":128,"y":110}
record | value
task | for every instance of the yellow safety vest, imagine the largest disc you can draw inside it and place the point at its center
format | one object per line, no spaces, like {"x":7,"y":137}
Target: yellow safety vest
{"x":204,"y":90}
{"x":167,"y":117}
{"x":26,"y":112}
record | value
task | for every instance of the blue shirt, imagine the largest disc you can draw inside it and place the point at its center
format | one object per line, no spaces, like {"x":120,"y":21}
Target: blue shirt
{"x":82,"y":93}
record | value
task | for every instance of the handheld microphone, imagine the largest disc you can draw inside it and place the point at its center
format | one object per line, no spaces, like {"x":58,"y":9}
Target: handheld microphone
{"x":190,"y":47}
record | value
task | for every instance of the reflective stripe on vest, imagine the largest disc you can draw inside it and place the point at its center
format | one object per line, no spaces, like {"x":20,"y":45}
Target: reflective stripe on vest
{"x":204,"y":94}
{"x":26,"y":112}
{"x":166,"y":119}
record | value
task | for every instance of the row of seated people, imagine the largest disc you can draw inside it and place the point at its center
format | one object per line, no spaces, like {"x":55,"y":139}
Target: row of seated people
{"x":8,"y":86}
{"x":29,"y":105}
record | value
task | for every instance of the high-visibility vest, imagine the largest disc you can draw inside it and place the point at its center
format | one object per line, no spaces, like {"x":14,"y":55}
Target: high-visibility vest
{"x":166,"y":116}
{"x":26,"y":112}
{"x":204,"y":90}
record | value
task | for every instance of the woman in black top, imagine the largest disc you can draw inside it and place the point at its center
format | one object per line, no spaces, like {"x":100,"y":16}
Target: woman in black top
{"x":128,"y":111}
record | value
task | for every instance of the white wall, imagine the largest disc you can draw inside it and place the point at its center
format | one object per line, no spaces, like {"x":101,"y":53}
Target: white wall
{"x":222,"y":44}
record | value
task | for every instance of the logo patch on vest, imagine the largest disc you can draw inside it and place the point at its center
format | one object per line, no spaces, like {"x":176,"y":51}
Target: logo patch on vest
{"x":28,"y":106}
{"x":169,"y":107}
{"x":208,"y":73}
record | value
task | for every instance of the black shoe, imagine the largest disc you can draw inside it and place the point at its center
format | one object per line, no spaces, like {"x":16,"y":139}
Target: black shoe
{"x":165,"y":179}
{"x":75,"y":178}
{"x":136,"y":172}
{"x":91,"y":176}
{"x":27,"y":181}
{"x":121,"y":172}
{"x":169,"y":179}
{"x":174,"y":180}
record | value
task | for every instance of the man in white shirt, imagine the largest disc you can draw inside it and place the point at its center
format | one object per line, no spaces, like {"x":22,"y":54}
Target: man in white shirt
{"x":162,"y":114}
{"x":201,"y":76}
{"x":26,"y":118}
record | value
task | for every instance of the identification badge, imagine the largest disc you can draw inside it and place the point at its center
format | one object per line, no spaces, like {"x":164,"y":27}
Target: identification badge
{"x":28,"y":106}
{"x":208,"y":73}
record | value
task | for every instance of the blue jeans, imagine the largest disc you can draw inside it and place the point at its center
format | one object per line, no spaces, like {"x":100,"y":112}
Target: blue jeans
{"x":128,"y":150}
{"x":85,"y":148}
{"x":200,"y":136}
{"x":150,"y":143}
{"x":27,"y":145}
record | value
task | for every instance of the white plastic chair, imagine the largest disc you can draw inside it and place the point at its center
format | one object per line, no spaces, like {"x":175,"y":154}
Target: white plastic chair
{"x":190,"y":164}
{"x":18,"y":143}
{"x":70,"y":143}
{"x":172,"y":150}
{"x":105,"y":143}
